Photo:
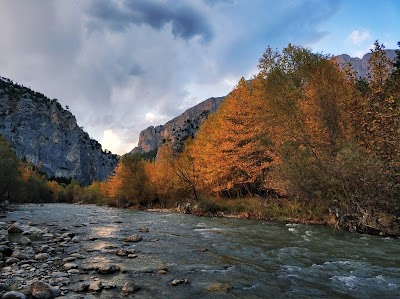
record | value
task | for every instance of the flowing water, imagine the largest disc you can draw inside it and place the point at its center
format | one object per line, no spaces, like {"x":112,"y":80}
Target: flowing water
{"x":257,"y":259}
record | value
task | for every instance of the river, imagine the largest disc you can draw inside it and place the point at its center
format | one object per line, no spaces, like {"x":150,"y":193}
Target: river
{"x":253,"y":259}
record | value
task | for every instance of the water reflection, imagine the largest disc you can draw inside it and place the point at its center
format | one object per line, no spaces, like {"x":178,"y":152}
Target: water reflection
{"x":105,"y":231}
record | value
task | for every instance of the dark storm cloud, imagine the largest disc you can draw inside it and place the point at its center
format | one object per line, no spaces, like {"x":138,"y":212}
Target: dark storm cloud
{"x":185,"y":20}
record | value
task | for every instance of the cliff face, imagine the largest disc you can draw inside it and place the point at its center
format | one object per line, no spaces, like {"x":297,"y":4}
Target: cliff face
{"x":177,"y":130}
{"x":361,"y":65}
{"x":42,"y":132}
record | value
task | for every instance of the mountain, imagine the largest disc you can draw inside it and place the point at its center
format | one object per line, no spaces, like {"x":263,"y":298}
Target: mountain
{"x":42,"y":132}
{"x":361,"y":65}
{"x":177,"y":130}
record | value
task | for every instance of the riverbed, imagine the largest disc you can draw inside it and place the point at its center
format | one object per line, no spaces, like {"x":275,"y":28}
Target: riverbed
{"x":215,"y":257}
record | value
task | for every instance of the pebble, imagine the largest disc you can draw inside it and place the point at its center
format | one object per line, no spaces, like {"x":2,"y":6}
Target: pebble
{"x":175,"y":282}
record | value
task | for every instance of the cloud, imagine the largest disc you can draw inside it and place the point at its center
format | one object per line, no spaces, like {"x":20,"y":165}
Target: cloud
{"x":113,"y":62}
{"x":186,"y":22}
{"x":114,"y":143}
{"x":356,"y":36}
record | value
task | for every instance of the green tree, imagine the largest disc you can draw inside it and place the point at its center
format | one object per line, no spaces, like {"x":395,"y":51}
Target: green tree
{"x":379,"y":68}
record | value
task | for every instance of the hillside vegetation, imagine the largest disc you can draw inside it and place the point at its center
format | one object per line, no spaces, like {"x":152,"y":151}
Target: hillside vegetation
{"x":304,"y":140}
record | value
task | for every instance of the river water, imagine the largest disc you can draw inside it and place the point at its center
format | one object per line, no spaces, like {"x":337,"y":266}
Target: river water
{"x":257,"y":259}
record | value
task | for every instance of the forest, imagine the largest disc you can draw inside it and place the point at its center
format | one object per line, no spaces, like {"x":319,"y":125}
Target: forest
{"x":305,"y":140}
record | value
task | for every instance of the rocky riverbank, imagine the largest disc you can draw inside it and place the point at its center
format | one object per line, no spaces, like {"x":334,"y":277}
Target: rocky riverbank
{"x":49,"y":261}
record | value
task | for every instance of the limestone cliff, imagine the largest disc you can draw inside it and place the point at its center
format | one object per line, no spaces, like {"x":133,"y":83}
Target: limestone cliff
{"x":177,"y":130}
{"x":42,"y":132}
{"x":361,"y":65}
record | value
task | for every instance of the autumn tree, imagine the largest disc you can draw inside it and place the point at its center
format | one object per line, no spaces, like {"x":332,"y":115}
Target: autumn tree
{"x":306,"y":97}
{"x":129,"y":184}
{"x":230,"y":148}
{"x":181,"y":165}
{"x":9,"y":172}
{"x":379,"y":113}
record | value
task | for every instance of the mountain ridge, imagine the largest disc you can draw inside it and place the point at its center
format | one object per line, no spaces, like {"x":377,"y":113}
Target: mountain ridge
{"x":43,"y":133}
{"x":178,"y":129}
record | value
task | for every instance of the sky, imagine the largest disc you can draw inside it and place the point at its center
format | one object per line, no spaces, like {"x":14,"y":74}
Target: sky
{"x":123,"y":65}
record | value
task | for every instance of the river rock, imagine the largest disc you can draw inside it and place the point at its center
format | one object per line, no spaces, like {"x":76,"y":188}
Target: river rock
{"x":41,"y":256}
{"x":42,"y":290}
{"x":143,"y":230}
{"x":73,"y":271}
{"x":175,"y":282}
{"x":13,"y":295}
{"x":122,"y":252}
{"x":219,"y":287}
{"x":69,"y":259}
{"x":129,"y":288}
{"x":96,"y":286}
{"x":107,"y":268}
{"x":76,"y":239}
{"x":80,"y":287}
{"x":19,"y":255}
{"x":132,"y":256}
{"x":42,"y":249}
{"x":25,"y":241}
{"x":68,"y":266}
{"x":16,"y":228}
{"x":77,"y":255}
{"x":11,"y":260}
{"x":133,"y":238}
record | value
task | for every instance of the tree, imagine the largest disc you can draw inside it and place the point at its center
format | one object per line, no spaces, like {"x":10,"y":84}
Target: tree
{"x":9,"y":173}
{"x":307,"y":99}
{"x":230,"y":148}
{"x":182,"y":165}
{"x":130,"y":183}
{"x":379,"y":68}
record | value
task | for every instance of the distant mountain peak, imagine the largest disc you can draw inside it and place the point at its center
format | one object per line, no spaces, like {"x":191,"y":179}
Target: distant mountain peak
{"x":177,"y":130}
{"x":360,"y":65}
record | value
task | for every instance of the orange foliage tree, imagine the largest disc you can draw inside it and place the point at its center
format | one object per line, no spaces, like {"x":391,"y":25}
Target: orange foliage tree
{"x":230,"y":149}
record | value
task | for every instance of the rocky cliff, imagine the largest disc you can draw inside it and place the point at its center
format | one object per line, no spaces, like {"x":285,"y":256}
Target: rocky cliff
{"x":44,"y":133}
{"x":177,"y":130}
{"x":361,"y":65}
